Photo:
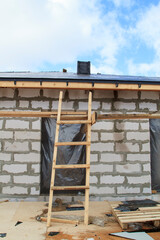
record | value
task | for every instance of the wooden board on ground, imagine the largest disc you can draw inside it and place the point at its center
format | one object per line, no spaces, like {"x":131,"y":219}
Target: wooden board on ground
{"x":141,"y":215}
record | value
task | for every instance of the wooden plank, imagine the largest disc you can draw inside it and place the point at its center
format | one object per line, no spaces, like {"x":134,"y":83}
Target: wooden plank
{"x":71,"y":143}
{"x":54,"y":161}
{"x":128,"y":116}
{"x":53,"y":114}
{"x":88,"y":148}
{"x":78,"y":115}
{"x":70,"y":187}
{"x":74,"y":122}
{"x":137,"y":213}
{"x":72,"y":166}
{"x":139,"y":219}
{"x":79,"y":85}
{"x":58,"y":220}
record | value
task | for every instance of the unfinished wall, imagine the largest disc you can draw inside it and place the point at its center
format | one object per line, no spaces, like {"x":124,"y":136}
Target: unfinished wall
{"x":120,"y":150}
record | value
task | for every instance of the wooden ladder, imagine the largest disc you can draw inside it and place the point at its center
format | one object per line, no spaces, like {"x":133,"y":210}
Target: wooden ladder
{"x":89,"y":121}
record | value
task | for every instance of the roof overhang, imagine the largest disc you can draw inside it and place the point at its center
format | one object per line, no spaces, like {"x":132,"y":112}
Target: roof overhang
{"x":56,"y":80}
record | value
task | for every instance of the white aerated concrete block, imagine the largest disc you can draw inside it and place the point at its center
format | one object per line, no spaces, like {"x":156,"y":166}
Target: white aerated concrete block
{"x":101,"y":190}
{"x":150,"y":95}
{"x":144,"y":126}
{"x":103,"y":126}
{"x":138,"y":157}
{"x":84,"y":105}
{"x":139,"y":180}
{"x":7,"y":92}
{"x":128,"y":190}
{"x":14,"y":190}
{"x":27,"y":157}
{"x":16,"y":146}
{"x":147,"y":190}
{"x":1,"y":123}
{"x":26,"y":179}
{"x":7,"y":104}
{"x":5,"y":157}
{"x":51,"y":93}
{"x":94,"y":157}
{"x":36,"y":125}
{"x":23,"y":104}
{"x":15,"y":168}
{"x":94,"y":136}
{"x":20,"y":135}
{"x":101,"y":168}
{"x":127,"y":126}
{"x":128,"y":94}
{"x":67,"y":105}
{"x":78,"y":94}
{"x":34,"y":191}
{"x":103,"y":94}
{"x":112,"y":136}
{"x":111,"y":157}
{"x":16,"y":124}
{"x":147,"y":167}
{"x":40,"y":104}
{"x":36,"y":146}
{"x":106,"y":106}
{"x":93,"y":179}
{"x":36,"y":168}
{"x":123,"y":105}
{"x":29,"y":93}
{"x":102,"y":147}
{"x":5,"y":178}
{"x":127,"y":147}
{"x":145,"y":147}
{"x":128,"y":168}
{"x":109,"y":179}
{"x":148,"y":105}
{"x":141,"y":136}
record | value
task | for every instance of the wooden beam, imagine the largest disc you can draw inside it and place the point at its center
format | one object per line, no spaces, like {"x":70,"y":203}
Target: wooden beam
{"x":127,"y":116}
{"x":78,"y":115}
{"x":79,"y":85}
{"x":59,"y":220}
{"x":65,"y":115}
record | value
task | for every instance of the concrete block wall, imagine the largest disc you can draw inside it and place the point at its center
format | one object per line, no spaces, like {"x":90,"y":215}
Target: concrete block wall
{"x":120,"y":150}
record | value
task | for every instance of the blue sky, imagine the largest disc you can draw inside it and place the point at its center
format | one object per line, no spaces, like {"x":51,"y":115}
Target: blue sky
{"x":117,"y":36}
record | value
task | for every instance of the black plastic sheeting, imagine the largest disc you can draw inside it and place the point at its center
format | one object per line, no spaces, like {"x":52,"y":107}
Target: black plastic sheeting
{"x":65,"y":155}
{"x":155,"y":153}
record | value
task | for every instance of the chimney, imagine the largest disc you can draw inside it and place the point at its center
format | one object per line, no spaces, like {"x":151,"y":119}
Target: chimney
{"x":83,"y":67}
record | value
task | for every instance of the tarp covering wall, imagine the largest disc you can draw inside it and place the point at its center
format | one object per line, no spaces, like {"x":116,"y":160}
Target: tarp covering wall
{"x":65,"y":155}
{"x":155,"y":153}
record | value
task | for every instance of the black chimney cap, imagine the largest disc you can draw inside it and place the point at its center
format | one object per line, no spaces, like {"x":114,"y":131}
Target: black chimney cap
{"x":83,"y":67}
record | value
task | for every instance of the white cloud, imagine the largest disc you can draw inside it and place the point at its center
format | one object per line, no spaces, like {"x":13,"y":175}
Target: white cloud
{"x":124,"y":3}
{"x":147,"y":30}
{"x":57,"y":31}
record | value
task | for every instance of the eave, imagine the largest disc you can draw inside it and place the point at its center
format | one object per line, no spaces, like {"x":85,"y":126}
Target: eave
{"x":80,"y":85}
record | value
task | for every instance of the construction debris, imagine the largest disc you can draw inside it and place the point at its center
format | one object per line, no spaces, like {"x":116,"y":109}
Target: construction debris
{"x":134,"y":236}
{"x":133,"y":220}
{"x":2,"y":235}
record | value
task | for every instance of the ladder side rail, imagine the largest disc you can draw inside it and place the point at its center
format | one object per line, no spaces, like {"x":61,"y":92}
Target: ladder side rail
{"x":88,"y":148}
{"x":54,"y":161}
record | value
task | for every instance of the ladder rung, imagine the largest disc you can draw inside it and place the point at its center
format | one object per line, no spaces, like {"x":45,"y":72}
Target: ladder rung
{"x":72,"y":166}
{"x":74,"y":122}
{"x":69,"y":187}
{"x":71,"y":143}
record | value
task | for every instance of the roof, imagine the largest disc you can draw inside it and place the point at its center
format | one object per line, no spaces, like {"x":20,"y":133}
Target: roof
{"x":65,"y":80}
{"x":74,"y":77}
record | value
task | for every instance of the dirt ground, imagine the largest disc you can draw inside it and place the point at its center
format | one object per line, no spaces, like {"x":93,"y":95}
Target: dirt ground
{"x":30,"y":228}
